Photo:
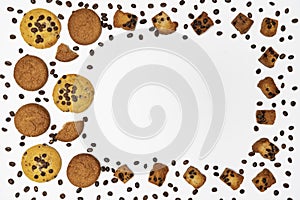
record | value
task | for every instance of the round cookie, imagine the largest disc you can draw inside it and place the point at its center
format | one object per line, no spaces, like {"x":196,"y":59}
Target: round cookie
{"x":73,"y":93}
{"x":83,"y":170}
{"x":32,"y":120}
{"x":31,"y":73}
{"x":40,"y":28}
{"x":41,"y":163}
{"x":84,"y":26}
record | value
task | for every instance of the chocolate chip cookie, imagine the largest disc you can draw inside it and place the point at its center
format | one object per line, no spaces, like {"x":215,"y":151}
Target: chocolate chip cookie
{"x":41,"y":163}
{"x":73,"y":93}
{"x":40,"y":28}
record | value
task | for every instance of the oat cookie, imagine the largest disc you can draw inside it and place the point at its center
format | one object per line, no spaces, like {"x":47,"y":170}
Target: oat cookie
{"x":40,"y":28}
{"x":158,"y":174}
{"x":31,"y":73}
{"x":41,"y":163}
{"x":266,"y":117}
{"x":268,"y":87}
{"x":32,"y":120}
{"x":242,"y":23}
{"x":84,"y":26}
{"x":194,"y":177}
{"x":70,"y":131}
{"x":65,"y":54}
{"x":269,"y":27}
{"x":264,"y":180}
{"x":269,"y":57}
{"x":231,"y":178}
{"x":83,"y":170}
{"x":202,"y":23}
{"x":163,"y":23}
{"x":126,"y":21}
{"x":123,"y":173}
{"x":73,"y":93}
{"x":266,"y":149}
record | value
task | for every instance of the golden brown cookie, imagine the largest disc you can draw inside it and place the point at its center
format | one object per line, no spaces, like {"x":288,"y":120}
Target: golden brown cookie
{"x":268,"y":87}
{"x":70,"y":131}
{"x":158,"y":174}
{"x":242,"y":23}
{"x":267,"y":117}
{"x":194,"y":177}
{"x":41,"y":163}
{"x":32,"y":120}
{"x":126,"y":21}
{"x":264,"y":180}
{"x":231,"y":178}
{"x":73,"y":93}
{"x":269,"y":27}
{"x":83,"y":170}
{"x":65,"y":54}
{"x":269,"y":57}
{"x":202,"y":23}
{"x":266,"y":149}
{"x":163,"y":23}
{"x":31,"y":73}
{"x":84,"y":26}
{"x":40,"y":28}
{"x":124,"y":173}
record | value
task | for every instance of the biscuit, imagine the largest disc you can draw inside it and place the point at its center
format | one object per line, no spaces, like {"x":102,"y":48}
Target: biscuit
{"x":268,"y":87}
{"x":194,"y":177}
{"x":266,"y":117}
{"x":31,"y":73}
{"x":65,"y":54}
{"x":41,"y":163}
{"x":126,"y":21}
{"x":40,"y":28}
{"x":70,"y":131}
{"x":242,"y":23}
{"x":83,"y":170}
{"x":269,"y":57}
{"x":264,"y":180}
{"x":164,"y":24}
{"x":84,"y":26}
{"x":157,"y":175}
{"x":269,"y":27}
{"x":123,"y":173}
{"x":73,"y":93}
{"x":265,"y":148}
{"x":202,"y":23}
{"x":231,"y":178}
{"x":32,"y":120}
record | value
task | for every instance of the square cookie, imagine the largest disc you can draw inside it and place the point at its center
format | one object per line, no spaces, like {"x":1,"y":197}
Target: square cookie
{"x":264,"y":180}
{"x":231,"y":178}
{"x":266,"y":149}
{"x":269,"y":27}
{"x":266,"y":117}
{"x":194,"y":177}
{"x":123,"y":173}
{"x":268,"y":87}
{"x":242,"y":23}
{"x":269,"y":57}
{"x":202,"y":23}
{"x":158,"y":174}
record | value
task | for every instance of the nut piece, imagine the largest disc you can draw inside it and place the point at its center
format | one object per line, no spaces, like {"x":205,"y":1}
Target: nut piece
{"x":164,"y":24}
